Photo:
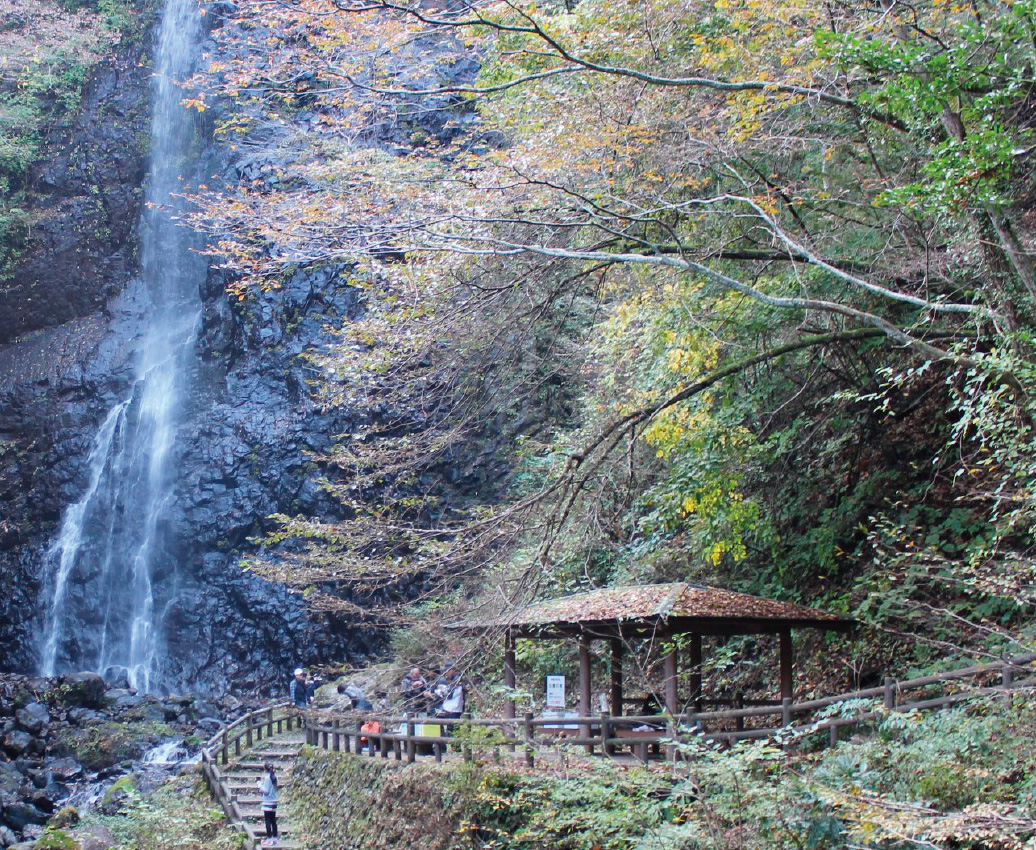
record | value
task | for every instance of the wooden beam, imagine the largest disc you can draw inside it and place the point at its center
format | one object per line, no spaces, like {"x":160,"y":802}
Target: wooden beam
{"x":509,"y":674}
{"x":696,"y":660}
{"x":787,"y":660}
{"x":671,"y":669}
{"x":618,"y":650}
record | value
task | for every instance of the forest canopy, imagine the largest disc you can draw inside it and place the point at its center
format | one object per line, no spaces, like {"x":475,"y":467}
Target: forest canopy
{"x":741,"y":291}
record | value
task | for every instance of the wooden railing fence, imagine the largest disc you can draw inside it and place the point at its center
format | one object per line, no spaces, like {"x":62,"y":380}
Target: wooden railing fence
{"x":405,"y":737}
{"x":239,"y":736}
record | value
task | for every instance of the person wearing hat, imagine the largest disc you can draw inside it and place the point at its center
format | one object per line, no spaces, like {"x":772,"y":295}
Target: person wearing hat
{"x":300,"y":692}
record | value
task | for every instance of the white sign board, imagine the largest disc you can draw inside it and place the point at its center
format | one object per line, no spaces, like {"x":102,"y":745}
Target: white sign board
{"x":555,"y":691}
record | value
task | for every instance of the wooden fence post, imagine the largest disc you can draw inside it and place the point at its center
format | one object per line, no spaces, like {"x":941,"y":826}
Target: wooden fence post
{"x":411,"y":744}
{"x":890,"y":693}
{"x":226,"y":747}
{"x":248,"y":731}
{"x":786,"y":711}
{"x":605,"y":721}
{"x":466,"y":746}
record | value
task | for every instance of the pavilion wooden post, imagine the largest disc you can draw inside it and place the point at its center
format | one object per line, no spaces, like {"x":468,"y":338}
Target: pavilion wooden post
{"x":584,"y":687}
{"x":670,"y":670}
{"x":696,"y":671}
{"x":786,"y":663}
{"x":509,"y":683}
{"x":618,"y":650}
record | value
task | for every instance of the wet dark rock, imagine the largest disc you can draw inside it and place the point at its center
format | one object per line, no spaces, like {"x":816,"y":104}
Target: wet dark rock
{"x":84,"y":716}
{"x":85,"y":690}
{"x":33,"y":717}
{"x":19,"y":815}
{"x":37,"y":777}
{"x":117,"y":677}
{"x":16,"y":742}
{"x":42,"y":800}
{"x":11,"y":779}
{"x":65,"y":769}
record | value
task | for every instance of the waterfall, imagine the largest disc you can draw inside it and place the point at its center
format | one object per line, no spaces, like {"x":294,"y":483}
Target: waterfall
{"x":112,"y":564}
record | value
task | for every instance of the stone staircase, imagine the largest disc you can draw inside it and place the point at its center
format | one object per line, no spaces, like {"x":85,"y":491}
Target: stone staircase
{"x":239,"y":778}
{"x":232,"y":763}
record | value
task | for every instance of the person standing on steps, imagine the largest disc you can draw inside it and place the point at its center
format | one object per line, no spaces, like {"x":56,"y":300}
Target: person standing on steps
{"x":299,"y":691}
{"x":267,"y":785}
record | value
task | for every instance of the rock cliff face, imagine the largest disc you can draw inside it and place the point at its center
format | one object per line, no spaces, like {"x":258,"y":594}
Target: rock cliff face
{"x":70,"y":325}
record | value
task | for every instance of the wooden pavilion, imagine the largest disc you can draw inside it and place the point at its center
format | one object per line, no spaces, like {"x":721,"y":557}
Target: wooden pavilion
{"x":656,"y":612}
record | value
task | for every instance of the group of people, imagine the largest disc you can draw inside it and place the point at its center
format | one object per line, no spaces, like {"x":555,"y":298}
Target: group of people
{"x":444,"y":697}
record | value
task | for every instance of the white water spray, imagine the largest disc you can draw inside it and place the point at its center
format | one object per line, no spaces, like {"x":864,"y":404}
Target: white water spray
{"x":102,"y":574}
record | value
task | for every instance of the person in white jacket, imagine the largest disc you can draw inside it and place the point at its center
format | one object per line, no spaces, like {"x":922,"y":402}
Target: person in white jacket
{"x":267,"y":785}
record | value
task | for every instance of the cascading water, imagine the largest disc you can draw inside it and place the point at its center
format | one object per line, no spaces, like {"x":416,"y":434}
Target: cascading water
{"x":109,"y":570}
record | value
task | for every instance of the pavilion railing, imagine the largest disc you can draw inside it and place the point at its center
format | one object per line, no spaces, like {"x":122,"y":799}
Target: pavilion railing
{"x":404,"y":738}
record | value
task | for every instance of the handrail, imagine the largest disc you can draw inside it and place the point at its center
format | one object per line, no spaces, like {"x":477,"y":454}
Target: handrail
{"x":342,"y":732}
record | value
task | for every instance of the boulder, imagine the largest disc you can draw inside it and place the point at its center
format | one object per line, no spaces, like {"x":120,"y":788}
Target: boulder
{"x":94,"y":837}
{"x":65,"y":769}
{"x":33,"y":718}
{"x":84,"y":716}
{"x":42,"y":800}
{"x":118,"y":795}
{"x":7,"y":838}
{"x":16,"y":742}
{"x":117,"y":677}
{"x":56,"y":839}
{"x":11,"y":779}
{"x":20,"y":815}
{"x":85,"y":690}
{"x":65,"y":818}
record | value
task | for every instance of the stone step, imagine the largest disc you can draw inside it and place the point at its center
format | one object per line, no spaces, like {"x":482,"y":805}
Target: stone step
{"x":258,"y":765}
{"x":253,"y":811}
{"x":258,"y":824}
{"x":241,"y":785}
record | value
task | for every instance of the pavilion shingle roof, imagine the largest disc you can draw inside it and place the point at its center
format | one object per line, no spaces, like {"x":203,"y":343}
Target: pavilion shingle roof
{"x":676,"y":604}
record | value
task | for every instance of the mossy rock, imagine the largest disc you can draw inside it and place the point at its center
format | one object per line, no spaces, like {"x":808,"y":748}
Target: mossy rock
{"x":106,"y":744}
{"x":122,"y":792}
{"x":56,"y":839}
{"x":64,"y":818}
